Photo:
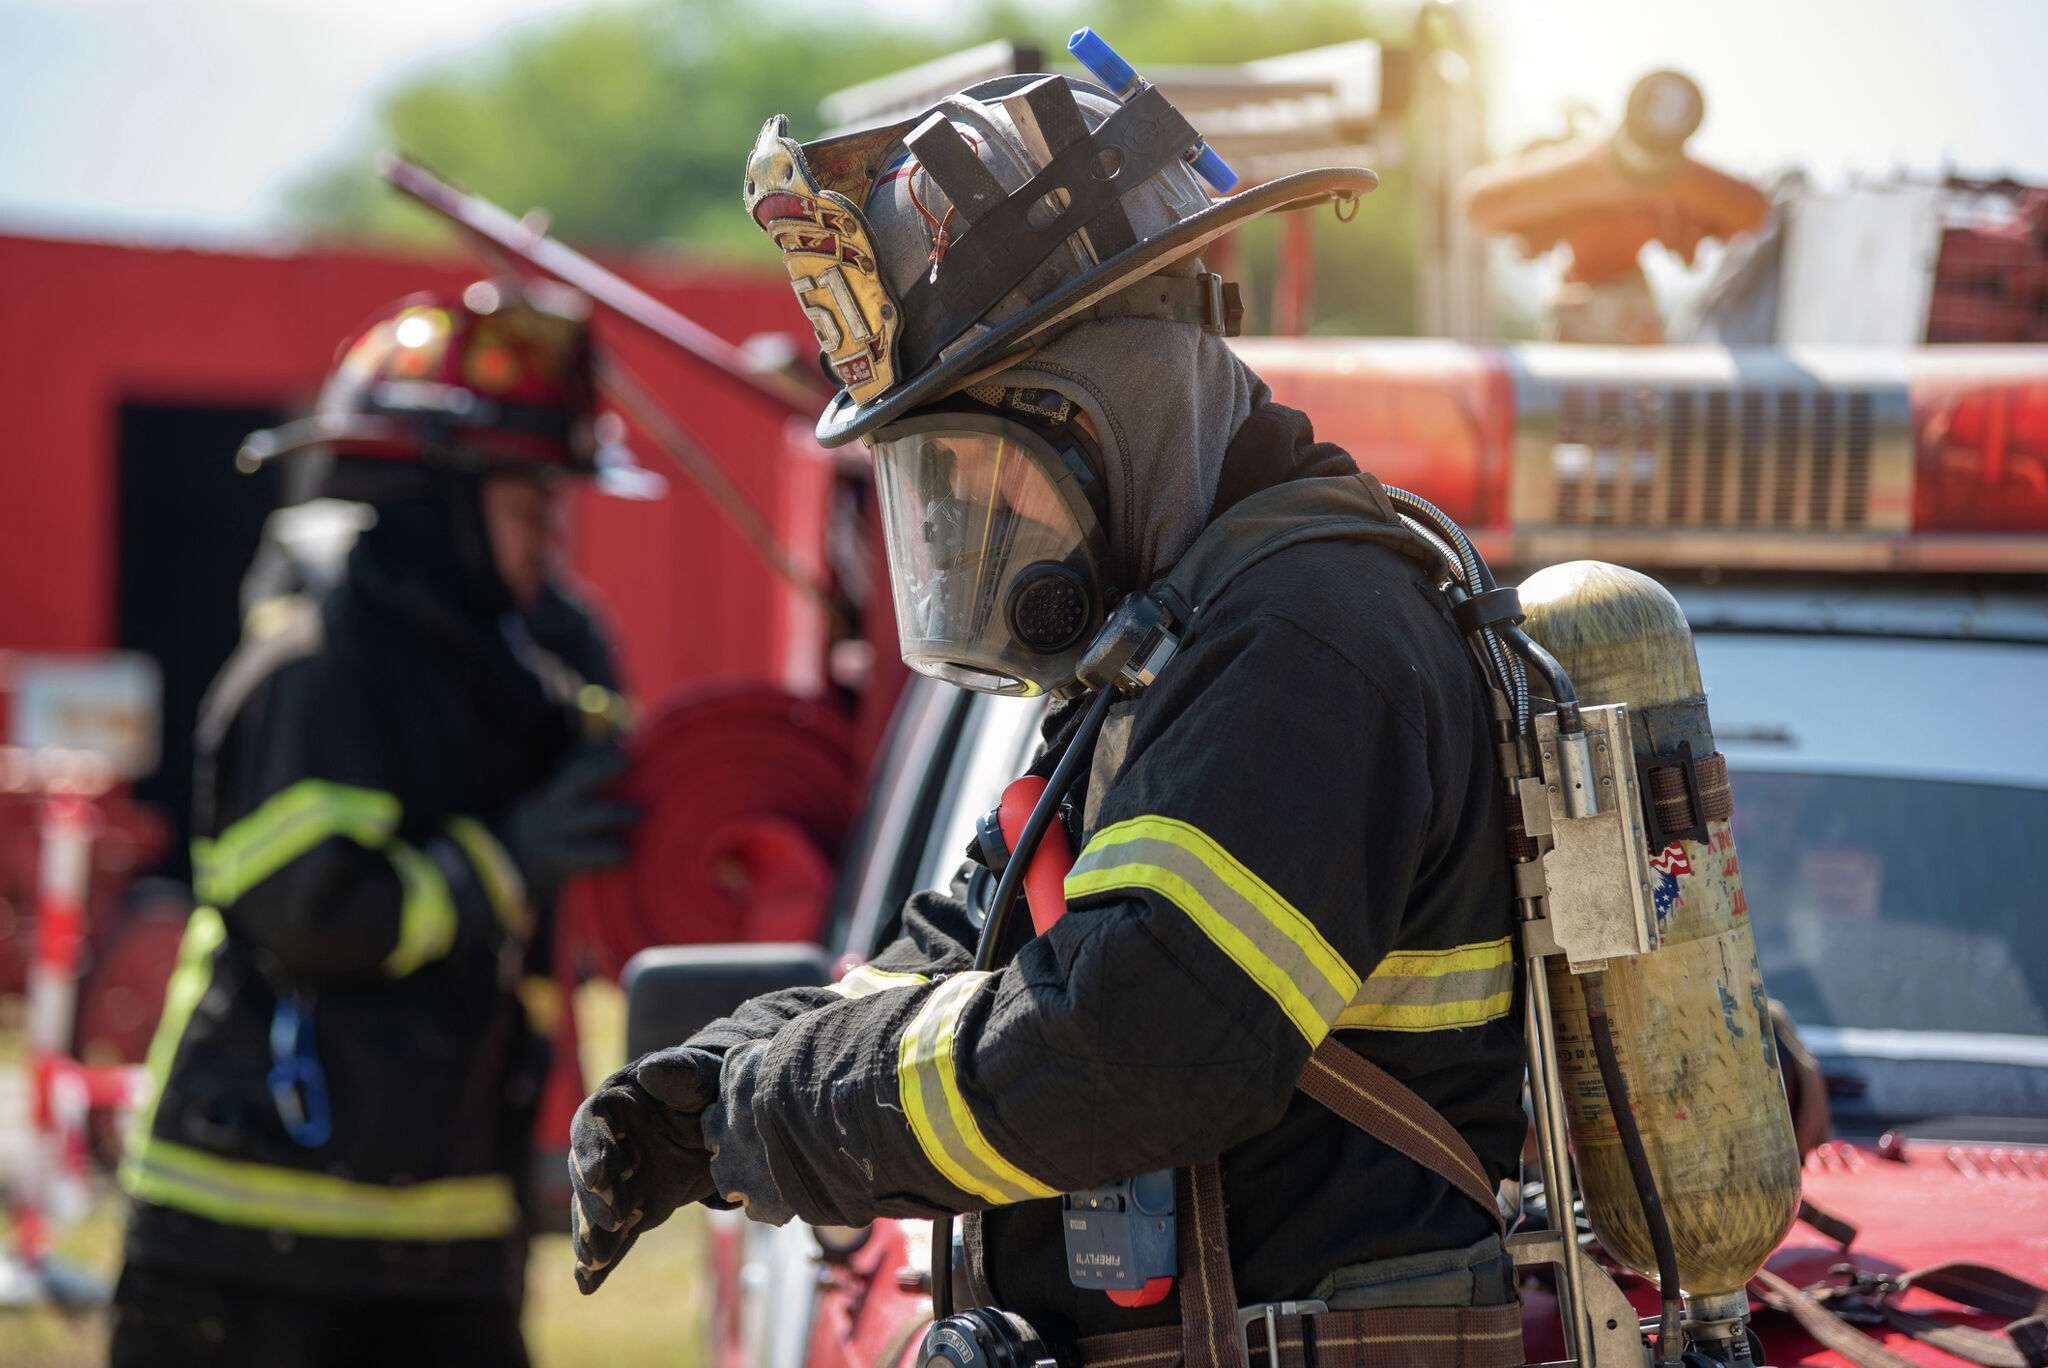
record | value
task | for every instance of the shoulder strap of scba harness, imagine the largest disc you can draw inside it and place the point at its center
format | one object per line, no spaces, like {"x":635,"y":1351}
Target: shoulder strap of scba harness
{"x":1331,"y":508}
{"x":1334,"y":508}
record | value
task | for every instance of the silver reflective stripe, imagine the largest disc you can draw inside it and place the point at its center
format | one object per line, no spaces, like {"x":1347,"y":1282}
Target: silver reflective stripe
{"x":865,"y":979}
{"x":1260,"y":931}
{"x":1472,"y":985}
{"x":1435,"y":990}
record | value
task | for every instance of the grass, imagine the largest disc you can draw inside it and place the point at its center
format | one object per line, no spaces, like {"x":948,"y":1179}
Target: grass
{"x":60,"y":1337}
{"x":651,"y":1311}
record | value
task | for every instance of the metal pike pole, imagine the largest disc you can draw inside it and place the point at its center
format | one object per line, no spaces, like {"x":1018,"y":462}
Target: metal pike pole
{"x":555,"y":259}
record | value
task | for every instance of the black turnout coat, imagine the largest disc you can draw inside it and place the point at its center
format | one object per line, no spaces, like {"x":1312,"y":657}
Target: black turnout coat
{"x":354,"y":756}
{"x":1303,"y":836}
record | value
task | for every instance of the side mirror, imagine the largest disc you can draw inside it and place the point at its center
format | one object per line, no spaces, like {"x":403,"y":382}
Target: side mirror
{"x":673,"y":991}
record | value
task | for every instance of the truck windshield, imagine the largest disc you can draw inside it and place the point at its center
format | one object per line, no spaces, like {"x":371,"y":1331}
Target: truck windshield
{"x":1898,"y":904}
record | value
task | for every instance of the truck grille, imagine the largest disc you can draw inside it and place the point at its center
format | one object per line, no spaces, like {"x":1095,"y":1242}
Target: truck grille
{"x":1743,"y":458}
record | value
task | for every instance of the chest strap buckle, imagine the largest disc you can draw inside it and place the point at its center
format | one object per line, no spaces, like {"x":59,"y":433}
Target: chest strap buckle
{"x":1270,"y":1313}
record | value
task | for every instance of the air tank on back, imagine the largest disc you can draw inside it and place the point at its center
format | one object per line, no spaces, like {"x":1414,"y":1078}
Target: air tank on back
{"x":1692,"y":1026}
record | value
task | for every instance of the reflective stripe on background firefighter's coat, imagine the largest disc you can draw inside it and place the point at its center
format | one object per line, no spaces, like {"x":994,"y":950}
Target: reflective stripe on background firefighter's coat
{"x":865,"y":980}
{"x":238,"y":1192}
{"x":292,"y":822}
{"x":1276,"y":946}
{"x":287,"y":825}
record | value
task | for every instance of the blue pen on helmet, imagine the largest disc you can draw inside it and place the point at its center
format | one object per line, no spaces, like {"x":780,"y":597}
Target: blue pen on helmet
{"x":1102,"y":61}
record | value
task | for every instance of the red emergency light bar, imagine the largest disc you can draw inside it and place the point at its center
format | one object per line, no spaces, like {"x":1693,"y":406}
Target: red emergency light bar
{"x":1980,"y":427}
{"x":1929,"y":459}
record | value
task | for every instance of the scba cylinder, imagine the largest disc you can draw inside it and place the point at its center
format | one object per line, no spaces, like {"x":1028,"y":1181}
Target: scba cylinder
{"x":1691,"y":1024}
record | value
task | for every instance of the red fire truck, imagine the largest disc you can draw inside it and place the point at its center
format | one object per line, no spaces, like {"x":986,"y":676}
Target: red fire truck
{"x":1859,"y":539}
{"x":1860,"y":543}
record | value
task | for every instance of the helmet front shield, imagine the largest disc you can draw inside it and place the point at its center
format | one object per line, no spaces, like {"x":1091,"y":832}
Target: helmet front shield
{"x":830,"y":255}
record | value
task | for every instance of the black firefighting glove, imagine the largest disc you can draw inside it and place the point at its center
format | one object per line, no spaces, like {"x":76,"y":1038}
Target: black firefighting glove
{"x":636,"y":1153}
{"x":571,"y":824}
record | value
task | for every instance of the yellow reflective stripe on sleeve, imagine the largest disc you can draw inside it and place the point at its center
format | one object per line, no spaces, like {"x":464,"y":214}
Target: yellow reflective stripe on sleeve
{"x":930,"y":1091}
{"x":1435,"y":990}
{"x":287,"y":825}
{"x":237,"y":1192}
{"x":426,"y":918}
{"x":204,"y":932}
{"x":864,"y":979}
{"x":501,"y":880}
{"x":1261,"y":932}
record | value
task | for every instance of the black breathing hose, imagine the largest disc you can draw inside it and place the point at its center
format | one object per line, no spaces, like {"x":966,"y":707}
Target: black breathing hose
{"x":1670,"y":1339}
{"x":1560,"y":684}
{"x":1078,"y":752}
{"x":1473,"y":573}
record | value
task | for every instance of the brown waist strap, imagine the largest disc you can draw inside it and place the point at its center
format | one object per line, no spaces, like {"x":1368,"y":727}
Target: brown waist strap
{"x":1390,"y":1112}
{"x":1208,"y":1336}
{"x":1389,"y":1337}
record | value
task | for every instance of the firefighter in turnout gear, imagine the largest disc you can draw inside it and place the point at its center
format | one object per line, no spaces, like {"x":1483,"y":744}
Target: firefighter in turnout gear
{"x":1292,"y":891}
{"x":393,"y":778}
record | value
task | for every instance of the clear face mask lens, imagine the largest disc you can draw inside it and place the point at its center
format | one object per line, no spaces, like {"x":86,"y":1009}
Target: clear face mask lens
{"x":994,"y":552}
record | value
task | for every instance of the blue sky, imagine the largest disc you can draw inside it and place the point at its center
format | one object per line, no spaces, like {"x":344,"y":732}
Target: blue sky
{"x":183,"y":120}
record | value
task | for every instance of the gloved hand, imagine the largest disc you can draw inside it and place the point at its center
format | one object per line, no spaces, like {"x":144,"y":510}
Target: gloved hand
{"x":636,"y":1153}
{"x":570,"y":825}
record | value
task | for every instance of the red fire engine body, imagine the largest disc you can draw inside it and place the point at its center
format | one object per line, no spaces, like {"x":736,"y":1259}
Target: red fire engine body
{"x":131,"y":374}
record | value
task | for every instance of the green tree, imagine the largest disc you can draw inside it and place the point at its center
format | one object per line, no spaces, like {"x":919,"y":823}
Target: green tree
{"x":627,"y":123}
{"x":630,"y":122}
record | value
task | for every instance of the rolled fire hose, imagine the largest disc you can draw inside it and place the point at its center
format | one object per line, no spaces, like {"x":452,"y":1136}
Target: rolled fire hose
{"x":747,"y":793}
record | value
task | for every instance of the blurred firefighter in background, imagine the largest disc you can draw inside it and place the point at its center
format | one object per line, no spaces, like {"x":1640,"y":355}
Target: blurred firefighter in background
{"x":395,"y":772}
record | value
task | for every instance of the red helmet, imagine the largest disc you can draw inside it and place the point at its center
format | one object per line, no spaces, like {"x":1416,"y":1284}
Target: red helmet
{"x":500,"y":380}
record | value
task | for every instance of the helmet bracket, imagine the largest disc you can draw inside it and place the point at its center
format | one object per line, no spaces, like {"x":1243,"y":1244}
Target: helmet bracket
{"x":1048,"y":121}
{"x":1145,"y":137}
{"x":952,"y":165}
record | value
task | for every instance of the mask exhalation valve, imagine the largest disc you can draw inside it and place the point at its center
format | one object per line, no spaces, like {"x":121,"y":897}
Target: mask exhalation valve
{"x":1048,"y":607}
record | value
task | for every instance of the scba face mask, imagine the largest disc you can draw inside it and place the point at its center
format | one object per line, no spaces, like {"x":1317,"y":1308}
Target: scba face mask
{"x":997,"y":555}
